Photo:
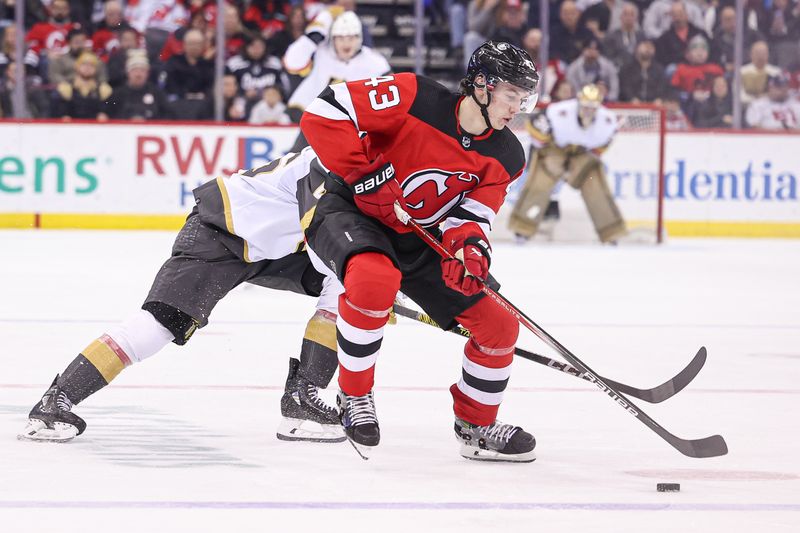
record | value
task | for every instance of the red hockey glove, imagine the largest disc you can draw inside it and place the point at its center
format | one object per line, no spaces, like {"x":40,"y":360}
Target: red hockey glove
{"x":470,"y":268}
{"x":375,"y":190}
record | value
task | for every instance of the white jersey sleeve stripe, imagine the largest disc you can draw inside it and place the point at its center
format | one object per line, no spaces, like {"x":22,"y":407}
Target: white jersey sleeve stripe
{"x":342,"y":95}
{"x":324,"y":109}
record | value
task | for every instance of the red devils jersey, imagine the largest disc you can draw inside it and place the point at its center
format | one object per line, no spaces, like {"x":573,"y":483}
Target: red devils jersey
{"x":445,"y":173}
{"x":49,"y":36}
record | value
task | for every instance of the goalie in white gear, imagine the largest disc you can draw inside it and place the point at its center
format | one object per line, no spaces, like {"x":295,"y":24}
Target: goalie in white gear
{"x":245,"y":228}
{"x":331,"y":51}
{"x":570,"y":137}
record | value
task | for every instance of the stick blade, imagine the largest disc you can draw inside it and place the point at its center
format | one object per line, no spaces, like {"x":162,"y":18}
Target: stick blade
{"x":713,"y":446}
{"x":672,"y":387}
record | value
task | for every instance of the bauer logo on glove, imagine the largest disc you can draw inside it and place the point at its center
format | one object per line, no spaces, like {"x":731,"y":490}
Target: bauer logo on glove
{"x":375,"y":180}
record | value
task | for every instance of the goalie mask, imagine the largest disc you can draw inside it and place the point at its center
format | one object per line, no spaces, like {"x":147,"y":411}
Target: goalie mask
{"x":590,"y":98}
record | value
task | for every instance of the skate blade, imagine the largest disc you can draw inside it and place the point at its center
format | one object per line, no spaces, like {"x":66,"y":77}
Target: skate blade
{"x":479,"y":454}
{"x":295,"y":429}
{"x":37,"y":431}
{"x":363,"y":451}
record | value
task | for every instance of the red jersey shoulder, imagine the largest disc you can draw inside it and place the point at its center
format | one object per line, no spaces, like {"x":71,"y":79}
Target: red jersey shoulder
{"x":383,"y":94}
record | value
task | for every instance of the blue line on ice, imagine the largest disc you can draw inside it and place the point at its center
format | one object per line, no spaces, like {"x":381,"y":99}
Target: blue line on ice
{"x":420,"y":506}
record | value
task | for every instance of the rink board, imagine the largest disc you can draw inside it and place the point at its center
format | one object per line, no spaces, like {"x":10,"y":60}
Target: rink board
{"x":123,"y":176}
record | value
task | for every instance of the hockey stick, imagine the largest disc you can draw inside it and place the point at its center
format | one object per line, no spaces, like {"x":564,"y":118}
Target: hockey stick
{"x":712,"y":446}
{"x":657,"y":394}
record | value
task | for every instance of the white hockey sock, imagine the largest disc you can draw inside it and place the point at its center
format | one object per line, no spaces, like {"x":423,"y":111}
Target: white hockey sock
{"x":140,"y":336}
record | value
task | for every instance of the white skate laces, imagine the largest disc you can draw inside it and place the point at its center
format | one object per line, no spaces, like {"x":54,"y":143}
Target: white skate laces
{"x":498,"y":431}
{"x":312,"y":394}
{"x":361,"y":409}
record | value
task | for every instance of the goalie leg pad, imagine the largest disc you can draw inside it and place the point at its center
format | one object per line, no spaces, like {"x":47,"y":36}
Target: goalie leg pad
{"x":533,"y":199}
{"x":603,"y":210}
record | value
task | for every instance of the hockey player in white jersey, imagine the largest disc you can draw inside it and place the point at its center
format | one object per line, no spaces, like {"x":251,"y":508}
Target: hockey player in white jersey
{"x":330,"y":52}
{"x":244,"y":228}
{"x":569,"y":138}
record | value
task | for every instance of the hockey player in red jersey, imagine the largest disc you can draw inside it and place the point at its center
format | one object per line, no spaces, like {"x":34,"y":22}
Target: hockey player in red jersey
{"x":447,"y":159}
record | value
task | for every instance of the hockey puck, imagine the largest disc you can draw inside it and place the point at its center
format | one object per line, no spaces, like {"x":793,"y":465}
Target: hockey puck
{"x":668,"y":487}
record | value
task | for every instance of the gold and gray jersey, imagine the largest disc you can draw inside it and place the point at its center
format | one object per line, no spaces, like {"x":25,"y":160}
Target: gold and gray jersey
{"x":264,"y":206}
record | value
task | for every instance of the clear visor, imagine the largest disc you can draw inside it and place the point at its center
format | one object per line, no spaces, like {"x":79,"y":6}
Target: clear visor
{"x":522,"y":100}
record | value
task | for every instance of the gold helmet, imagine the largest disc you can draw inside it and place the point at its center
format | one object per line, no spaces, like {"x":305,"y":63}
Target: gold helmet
{"x":590,"y":95}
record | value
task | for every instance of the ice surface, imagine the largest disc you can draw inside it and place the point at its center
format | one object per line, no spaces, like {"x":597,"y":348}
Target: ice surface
{"x":186,"y":440}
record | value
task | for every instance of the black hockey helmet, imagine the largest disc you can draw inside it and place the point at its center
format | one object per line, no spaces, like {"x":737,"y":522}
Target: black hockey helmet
{"x":497,"y":62}
{"x":500,"y":61}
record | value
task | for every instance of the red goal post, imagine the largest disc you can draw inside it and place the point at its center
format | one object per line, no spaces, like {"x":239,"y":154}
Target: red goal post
{"x":634,"y":168}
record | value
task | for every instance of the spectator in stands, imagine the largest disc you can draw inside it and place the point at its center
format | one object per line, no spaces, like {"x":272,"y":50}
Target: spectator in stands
{"x":61,"y":67}
{"x":295,"y":27}
{"x":34,"y":12}
{"x":85,"y":97}
{"x":756,"y":73}
{"x":236,"y":35}
{"x":8,"y":45}
{"x":671,"y":45}
{"x":777,"y":110}
{"x":556,"y":69}
{"x":255,"y":69}
{"x":562,"y":90}
{"x":268,"y":17}
{"x":711,"y":109}
{"x":105,"y":39}
{"x":271,"y":109}
{"x":190,"y":78}
{"x":696,"y":68}
{"x":156,"y":20}
{"x":511,"y":24}
{"x":642,"y":79}
{"x":660,"y":16}
{"x":138,"y":99}
{"x":116,"y":67}
{"x":602,"y":17}
{"x":781,"y":25}
{"x":481,"y":23}
{"x":174,"y":42}
{"x":8,"y":79}
{"x":592,"y":68}
{"x":48,"y":38}
{"x":620,"y":44}
{"x":722,"y":45}
{"x":234,"y":103}
{"x":674,"y":116}
{"x":568,"y":37}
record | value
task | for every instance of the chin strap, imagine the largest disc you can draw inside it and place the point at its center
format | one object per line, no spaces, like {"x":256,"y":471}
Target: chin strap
{"x":483,"y":107}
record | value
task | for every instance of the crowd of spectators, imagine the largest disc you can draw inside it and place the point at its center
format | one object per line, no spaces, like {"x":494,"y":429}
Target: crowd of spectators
{"x":154,"y":59}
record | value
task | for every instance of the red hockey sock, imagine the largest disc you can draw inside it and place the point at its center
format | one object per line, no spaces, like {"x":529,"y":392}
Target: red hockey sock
{"x":486,"y":366}
{"x":371,"y":282}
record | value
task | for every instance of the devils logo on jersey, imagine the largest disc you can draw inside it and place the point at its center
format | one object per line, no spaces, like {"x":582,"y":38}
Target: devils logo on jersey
{"x":431,"y":193}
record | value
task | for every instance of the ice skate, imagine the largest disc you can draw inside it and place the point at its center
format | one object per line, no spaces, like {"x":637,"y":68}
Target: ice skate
{"x":306,"y":417}
{"x":495,"y":442}
{"x":51,"y":419}
{"x":360,"y":421}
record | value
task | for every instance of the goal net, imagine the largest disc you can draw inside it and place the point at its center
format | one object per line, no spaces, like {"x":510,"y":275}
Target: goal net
{"x":634,"y":169}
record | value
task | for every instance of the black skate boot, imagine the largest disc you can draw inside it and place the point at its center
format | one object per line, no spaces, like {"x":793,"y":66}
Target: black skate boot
{"x":50,"y":420}
{"x":495,"y":442}
{"x":306,"y":416}
{"x":360,"y":421}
